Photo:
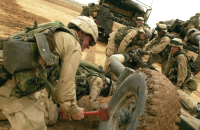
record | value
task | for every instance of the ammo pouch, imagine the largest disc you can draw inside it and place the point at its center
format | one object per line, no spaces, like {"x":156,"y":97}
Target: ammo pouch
{"x":30,"y":81}
{"x":22,"y":54}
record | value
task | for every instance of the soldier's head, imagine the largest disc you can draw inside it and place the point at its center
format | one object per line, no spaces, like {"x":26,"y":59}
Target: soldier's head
{"x":91,"y":4}
{"x":176,"y":45}
{"x":105,"y":88}
{"x":197,"y":14}
{"x":86,"y":29}
{"x":139,"y":21}
{"x":161,"y":29}
{"x":144,"y":33}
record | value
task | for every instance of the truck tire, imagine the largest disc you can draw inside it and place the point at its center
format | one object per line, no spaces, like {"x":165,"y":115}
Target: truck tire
{"x":146,"y":100}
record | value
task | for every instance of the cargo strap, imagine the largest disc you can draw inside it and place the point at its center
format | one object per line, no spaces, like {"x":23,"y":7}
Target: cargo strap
{"x":43,"y":48}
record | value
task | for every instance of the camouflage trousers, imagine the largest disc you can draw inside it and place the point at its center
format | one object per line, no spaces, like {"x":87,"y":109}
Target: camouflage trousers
{"x":157,"y":59}
{"x":32,"y":112}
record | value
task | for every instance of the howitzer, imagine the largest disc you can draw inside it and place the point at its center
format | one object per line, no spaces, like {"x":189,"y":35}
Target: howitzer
{"x":190,"y":48}
{"x":132,"y":59}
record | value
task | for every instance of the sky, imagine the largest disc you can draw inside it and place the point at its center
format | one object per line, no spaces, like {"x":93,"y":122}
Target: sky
{"x":166,"y":9}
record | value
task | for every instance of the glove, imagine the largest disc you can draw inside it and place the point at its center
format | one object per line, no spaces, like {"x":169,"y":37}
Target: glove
{"x":143,"y":52}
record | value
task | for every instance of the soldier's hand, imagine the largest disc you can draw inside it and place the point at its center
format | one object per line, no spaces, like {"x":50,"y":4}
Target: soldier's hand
{"x":79,"y":115}
{"x":63,"y":115}
{"x":107,"y":69}
{"x":176,"y":87}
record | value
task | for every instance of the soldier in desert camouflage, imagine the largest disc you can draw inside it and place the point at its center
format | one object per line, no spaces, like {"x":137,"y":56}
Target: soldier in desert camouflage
{"x":179,"y":73}
{"x":158,"y":48}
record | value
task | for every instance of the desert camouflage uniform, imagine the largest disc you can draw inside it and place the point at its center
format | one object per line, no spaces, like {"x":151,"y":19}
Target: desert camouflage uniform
{"x":179,"y":73}
{"x":95,"y":79}
{"x":124,"y":46}
{"x":33,"y":112}
{"x":181,"y":76}
{"x":159,"y":50}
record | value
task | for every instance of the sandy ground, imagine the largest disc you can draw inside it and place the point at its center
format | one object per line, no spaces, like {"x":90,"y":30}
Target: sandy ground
{"x":16,"y":14}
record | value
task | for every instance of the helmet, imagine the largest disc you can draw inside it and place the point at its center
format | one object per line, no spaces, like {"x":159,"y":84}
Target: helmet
{"x":140,"y":19}
{"x":161,"y":27}
{"x":197,"y":14}
{"x":146,"y":31}
{"x":160,"y":22}
{"x":91,"y":4}
{"x":86,"y":25}
{"x":177,"y":42}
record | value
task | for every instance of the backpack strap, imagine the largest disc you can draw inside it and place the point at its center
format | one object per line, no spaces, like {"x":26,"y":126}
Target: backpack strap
{"x":43,"y":48}
{"x":50,"y":35}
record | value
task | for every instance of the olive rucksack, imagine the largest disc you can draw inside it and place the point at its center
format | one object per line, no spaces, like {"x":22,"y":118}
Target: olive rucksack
{"x":121,"y":33}
{"x":22,"y":50}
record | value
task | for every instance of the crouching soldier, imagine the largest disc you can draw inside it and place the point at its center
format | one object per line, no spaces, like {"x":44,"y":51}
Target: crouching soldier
{"x":91,"y":80}
{"x":123,"y":40}
{"x":26,"y":111}
{"x":158,"y":48}
{"x":179,"y":73}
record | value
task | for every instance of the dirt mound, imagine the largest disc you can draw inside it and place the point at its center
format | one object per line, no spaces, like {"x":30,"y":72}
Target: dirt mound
{"x":14,"y":18}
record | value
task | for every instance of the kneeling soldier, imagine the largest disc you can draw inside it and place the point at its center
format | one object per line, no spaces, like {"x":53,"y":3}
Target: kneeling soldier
{"x":179,"y":73}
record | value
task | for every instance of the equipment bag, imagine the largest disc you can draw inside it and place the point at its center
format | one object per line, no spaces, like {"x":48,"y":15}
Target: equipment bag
{"x":22,"y":49}
{"x":121,"y":33}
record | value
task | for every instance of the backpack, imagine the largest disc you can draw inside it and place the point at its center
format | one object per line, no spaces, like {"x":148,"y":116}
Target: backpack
{"x":35,"y":43}
{"x":21,"y":53}
{"x":121,"y":33}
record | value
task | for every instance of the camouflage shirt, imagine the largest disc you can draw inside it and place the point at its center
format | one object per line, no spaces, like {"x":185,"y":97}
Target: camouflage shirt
{"x":159,"y":45}
{"x":178,"y":69}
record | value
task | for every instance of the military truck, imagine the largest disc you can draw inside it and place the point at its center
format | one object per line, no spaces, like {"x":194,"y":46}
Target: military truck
{"x":114,"y":14}
{"x":145,"y":99}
